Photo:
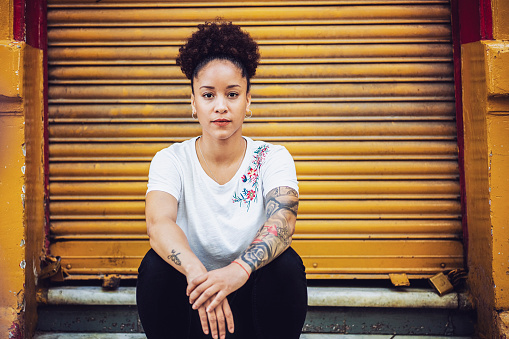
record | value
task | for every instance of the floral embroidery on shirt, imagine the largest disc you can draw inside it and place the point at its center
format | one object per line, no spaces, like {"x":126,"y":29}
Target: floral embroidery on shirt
{"x":251,"y":177}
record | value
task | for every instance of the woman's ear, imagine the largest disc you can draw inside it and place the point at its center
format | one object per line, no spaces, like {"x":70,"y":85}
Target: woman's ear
{"x":193,"y":103}
{"x":248,"y":99}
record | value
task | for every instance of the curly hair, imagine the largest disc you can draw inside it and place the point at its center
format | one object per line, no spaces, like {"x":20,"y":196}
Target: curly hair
{"x":219,"y":40}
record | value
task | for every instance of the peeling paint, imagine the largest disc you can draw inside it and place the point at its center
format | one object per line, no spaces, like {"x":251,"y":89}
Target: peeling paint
{"x":22,"y":264}
{"x":15,"y":331}
{"x":20,"y":302}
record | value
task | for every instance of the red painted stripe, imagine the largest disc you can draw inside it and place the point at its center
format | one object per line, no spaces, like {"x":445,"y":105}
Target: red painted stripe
{"x":486,"y":20}
{"x":475,"y":20}
{"x":455,"y":23}
{"x":43,"y":44}
{"x":36,"y":23}
{"x":19,"y":20}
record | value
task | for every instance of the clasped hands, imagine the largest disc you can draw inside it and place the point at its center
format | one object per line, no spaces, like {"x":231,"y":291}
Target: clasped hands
{"x":207,"y":292}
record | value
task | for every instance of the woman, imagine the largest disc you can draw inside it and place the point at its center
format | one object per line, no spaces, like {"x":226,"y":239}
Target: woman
{"x":221,"y":210}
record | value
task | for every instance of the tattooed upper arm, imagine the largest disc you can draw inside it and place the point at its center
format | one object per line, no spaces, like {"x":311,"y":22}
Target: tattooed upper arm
{"x":281,"y":198}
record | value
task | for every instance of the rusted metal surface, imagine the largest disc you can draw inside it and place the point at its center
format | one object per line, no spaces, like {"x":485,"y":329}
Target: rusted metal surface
{"x":361,"y":94}
{"x":322,"y":258}
{"x":51,"y":265}
{"x":291,"y":16}
{"x":441,"y":284}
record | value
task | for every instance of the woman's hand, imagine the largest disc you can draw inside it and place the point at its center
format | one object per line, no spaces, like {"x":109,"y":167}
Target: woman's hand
{"x":217,"y":318}
{"x":216,"y":315}
{"x":216,"y":285}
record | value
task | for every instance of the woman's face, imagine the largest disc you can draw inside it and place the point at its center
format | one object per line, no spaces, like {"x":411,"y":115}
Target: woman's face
{"x":220,"y":99}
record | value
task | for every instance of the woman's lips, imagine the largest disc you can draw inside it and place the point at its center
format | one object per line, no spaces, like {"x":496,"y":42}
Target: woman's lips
{"x":221,"y":122}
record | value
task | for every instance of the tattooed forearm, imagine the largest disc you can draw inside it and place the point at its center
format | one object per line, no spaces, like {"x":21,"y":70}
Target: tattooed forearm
{"x":275,"y":236}
{"x":174,"y":257}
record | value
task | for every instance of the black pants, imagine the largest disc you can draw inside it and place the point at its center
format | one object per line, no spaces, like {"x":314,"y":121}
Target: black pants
{"x":272,"y":303}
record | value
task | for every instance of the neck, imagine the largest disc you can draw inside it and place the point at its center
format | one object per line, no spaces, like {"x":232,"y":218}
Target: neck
{"x":222,"y":152}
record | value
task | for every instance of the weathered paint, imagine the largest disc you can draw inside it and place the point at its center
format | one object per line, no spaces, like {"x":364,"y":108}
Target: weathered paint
{"x":34,"y":178}
{"x":11,"y":71}
{"x":6,"y":19}
{"x":498,"y":162}
{"x":486,"y":108}
{"x":12,"y":260}
{"x":21,"y":175}
{"x":500,"y":19}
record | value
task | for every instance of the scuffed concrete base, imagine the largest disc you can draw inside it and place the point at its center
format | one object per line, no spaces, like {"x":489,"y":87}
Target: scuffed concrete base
{"x":503,"y":325}
{"x":304,"y":336}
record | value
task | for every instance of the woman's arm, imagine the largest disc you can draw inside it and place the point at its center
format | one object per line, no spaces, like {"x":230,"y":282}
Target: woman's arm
{"x":171,"y":244}
{"x":166,"y":237}
{"x":273,"y":238}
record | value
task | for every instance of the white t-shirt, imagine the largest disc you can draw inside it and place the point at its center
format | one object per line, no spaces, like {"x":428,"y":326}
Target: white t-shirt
{"x":221,"y":221}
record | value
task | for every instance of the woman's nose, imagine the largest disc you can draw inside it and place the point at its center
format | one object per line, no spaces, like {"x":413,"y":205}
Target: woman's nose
{"x":221,"y":105}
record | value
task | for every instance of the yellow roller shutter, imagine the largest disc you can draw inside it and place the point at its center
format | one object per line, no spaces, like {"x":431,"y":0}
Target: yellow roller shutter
{"x":360,"y":92}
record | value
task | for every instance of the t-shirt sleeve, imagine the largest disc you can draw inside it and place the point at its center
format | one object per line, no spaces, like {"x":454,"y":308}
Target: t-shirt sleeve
{"x":279,"y":170}
{"x":164,"y":174}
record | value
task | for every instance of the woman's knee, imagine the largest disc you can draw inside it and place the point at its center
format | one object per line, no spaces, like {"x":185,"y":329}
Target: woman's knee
{"x":288,"y":265}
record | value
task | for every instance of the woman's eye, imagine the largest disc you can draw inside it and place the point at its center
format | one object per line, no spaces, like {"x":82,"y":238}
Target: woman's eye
{"x":233,"y":95}
{"x":207,"y":95}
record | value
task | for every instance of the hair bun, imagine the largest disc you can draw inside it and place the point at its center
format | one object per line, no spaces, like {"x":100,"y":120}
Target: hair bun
{"x":222,"y":39}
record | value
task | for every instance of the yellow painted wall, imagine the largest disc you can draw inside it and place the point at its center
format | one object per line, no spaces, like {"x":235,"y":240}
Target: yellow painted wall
{"x":6,"y":19}
{"x":21,"y":180}
{"x":485,"y":73}
{"x":12,"y":181}
{"x":500,"y":19}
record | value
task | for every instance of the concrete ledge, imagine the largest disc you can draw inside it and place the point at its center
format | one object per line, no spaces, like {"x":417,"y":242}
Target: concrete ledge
{"x":317,"y":296}
{"x":89,"y":295}
{"x":90,"y":336}
{"x":303,"y":336}
{"x":381,"y":297}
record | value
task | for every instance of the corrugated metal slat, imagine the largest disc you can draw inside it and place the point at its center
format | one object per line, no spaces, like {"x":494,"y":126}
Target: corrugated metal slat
{"x":360,"y":92}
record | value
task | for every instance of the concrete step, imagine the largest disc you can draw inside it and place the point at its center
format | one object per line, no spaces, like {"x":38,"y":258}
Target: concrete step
{"x":323,"y":296}
{"x":333,"y":311}
{"x":303,"y":336}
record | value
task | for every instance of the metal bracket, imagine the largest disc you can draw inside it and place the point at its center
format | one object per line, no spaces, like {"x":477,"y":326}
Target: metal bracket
{"x":399,"y":279}
{"x":111,"y":281}
{"x":441,"y":284}
{"x":50,"y":266}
